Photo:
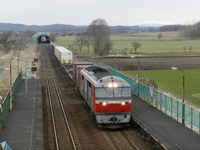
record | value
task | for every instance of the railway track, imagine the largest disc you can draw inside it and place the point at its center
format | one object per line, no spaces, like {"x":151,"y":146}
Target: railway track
{"x":62,"y":132}
{"x":121,"y":141}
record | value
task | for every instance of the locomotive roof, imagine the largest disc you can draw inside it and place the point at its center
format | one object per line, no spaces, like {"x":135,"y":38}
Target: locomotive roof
{"x":98,"y":72}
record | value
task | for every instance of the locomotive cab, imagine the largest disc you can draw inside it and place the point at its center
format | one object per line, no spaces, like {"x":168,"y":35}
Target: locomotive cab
{"x":113,"y":97}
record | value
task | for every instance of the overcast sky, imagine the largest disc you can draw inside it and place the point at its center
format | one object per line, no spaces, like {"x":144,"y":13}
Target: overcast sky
{"x":115,"y":12}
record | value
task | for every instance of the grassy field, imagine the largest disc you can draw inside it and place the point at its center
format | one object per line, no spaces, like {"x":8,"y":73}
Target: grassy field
{"x":170,"y":43}
{"x":65,"y":41}
{"x":172,"y":81}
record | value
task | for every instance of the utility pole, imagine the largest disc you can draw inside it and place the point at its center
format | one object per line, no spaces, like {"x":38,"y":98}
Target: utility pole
{"x":11,"y":86}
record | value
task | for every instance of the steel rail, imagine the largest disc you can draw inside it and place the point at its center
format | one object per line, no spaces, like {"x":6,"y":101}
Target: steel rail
{"x":130,"y":141}
{"x":62,"y":106}
{"x":113,"y":140}
{"x":51,"y":108}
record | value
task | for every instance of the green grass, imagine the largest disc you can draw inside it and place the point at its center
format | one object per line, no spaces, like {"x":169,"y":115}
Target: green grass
{"x":150,"y":43}
{"x":170,"y":45}
{"x":65,"y":41}
{"x":172,"y":81}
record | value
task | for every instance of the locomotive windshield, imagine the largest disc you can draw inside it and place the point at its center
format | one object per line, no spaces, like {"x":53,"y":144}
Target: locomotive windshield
{"x":113,"y":92}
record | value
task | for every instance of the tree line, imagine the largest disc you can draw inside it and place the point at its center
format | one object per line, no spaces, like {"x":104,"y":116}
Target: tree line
{"x":18,"y":41}
{"x":15,"y":41}
{"x":191,"y":31}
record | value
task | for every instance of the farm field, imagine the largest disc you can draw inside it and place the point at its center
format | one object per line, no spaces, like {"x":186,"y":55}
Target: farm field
{"x":172,"y":81}
{"x":171,"y":44}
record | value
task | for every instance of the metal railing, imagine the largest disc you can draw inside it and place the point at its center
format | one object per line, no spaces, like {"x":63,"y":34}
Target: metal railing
{"x":164,"y":102}
{"x":5,"y":104}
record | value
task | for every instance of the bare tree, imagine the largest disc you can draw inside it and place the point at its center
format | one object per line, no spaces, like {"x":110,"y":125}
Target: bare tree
{"x":5,"y":39}
{"x":28,"y":34}
{"x":136,"y":45}
{"x":53,"y":37}
{"x":80,"y":41}
{"x":160,"y":36}
{"x":98,"y":30}
{"x":190,"y":48}
{"x":87,"y":43}
{"x":184,"y":48}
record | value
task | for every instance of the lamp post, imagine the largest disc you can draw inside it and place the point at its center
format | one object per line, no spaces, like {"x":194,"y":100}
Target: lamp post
{"x":183,"y":94}
{"x":138,"y":72}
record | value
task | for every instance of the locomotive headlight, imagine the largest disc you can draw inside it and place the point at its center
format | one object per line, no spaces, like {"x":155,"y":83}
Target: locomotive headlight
{"x":110,"y":85}
{"x":104,"y":103}
{"x":114,"y":85}
{"x":123,"y":102}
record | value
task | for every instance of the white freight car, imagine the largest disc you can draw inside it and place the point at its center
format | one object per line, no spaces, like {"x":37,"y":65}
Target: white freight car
{"x":64,"y":55}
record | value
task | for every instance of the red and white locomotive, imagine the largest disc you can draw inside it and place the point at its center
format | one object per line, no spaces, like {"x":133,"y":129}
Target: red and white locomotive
{"x":108,"y":96}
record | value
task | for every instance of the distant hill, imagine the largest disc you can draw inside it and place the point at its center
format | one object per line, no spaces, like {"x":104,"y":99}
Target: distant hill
{"x":75,"y":29}
{"x":41,"y":28}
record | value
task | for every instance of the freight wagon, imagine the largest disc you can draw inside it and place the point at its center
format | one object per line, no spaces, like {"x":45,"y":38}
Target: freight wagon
{"x":63,"y":55}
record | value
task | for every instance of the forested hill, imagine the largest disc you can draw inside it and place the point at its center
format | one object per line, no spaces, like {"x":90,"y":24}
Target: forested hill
{"x":76,"y":29}
{"x":40,"y":28}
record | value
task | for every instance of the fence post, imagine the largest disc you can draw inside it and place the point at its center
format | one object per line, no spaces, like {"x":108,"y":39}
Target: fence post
{"x":156,"y":99}
{"x":199,"y":122}
{"x":171,"y":107}
{"x":177,"y":110}
{"x":166,"y":104}
{"x":191,"y":118}
{"x":161,"y":101}
{"x":183,"y":113}
{"x":1,"y":116}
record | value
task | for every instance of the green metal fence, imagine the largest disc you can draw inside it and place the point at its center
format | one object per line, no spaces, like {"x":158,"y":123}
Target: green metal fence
{"x":164,"y":102}
{"x":5,"y":105}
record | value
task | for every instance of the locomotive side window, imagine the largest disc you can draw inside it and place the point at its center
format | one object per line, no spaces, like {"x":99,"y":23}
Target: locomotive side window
{"x":82,"y":85}
{"x":85,"y":88}
{"x":89,"y":91}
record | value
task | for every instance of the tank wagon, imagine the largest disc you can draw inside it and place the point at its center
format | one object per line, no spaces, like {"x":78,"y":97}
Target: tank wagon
{"x":63,"y":55}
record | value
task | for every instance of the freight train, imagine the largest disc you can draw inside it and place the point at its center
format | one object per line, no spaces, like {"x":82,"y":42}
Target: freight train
{"x":108,"y":96}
